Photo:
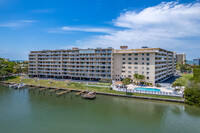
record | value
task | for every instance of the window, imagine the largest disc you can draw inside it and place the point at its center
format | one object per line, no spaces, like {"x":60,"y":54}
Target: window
{"x":135,"y":67}
{"x":147,"y":68}
{"x":129,"y":58}
{"x":136,"y":72}
{"x":123,"y":71}
{"x":129,"y":67}
{"x":136,"y":58}
{"x":123,"y":54}
{"x":147,"y":73}
{"x":123,"y":67}
{"x":142,"y":72}
{"x":142,"y":63}
{"x":123,"y":63}
{"x":147,"y":63}
{"x":147,"y":54}
{"x":136,"y":63}
{"x":136,"y":54}
{"x":123,"y":58}
{"x":147,"y":77}
{"x":129,"y":76}
{"x":142,"y":68}
{"x":142,"y":53}
{"x":142,"y":58}
{"x":129,"y":63}
{"x":147,"y":58}
{"x":129,"y":71}
{"x":129,"y":54}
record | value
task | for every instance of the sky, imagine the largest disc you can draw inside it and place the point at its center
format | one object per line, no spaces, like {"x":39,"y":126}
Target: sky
{"x":28,"y":25}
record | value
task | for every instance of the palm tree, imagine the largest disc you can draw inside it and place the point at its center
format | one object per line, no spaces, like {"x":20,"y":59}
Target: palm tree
{"x":141,"y":77}
{"x":126,"y":81}
{"x":136,"y":77}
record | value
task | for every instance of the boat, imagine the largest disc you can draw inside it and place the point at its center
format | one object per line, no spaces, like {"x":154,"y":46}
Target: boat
{"x":90,"y":95}
{"x":15,"y":86}
{"x":21,"y":85}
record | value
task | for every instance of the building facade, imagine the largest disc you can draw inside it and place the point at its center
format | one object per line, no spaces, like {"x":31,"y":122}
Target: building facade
{"x":80,"y":64}
{"x":102,"y":64}
{"x":196,"y":61}
{"x":154,"y":63}
{"x":181,"y":58}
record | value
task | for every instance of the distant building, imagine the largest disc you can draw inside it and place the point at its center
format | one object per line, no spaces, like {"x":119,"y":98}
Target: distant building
{"x":180,"y":58}
{"x":196,"y":61}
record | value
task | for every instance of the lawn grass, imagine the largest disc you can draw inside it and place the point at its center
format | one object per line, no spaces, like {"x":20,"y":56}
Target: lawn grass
{"x":183,"y":79}
{"x":79,"y":86}
{"x":63,"y":84}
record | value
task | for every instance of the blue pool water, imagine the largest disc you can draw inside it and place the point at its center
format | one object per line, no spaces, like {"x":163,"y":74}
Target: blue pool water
{"x":147,"y":89}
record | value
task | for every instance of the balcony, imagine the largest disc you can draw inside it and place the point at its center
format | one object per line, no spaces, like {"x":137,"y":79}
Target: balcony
{"x":160,"y":73}
{"x":160,"y":69}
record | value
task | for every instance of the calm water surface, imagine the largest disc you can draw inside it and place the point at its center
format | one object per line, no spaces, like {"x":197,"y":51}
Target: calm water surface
{"x":30,"y":112}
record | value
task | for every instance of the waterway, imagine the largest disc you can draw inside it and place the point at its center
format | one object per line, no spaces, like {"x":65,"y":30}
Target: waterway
{"x":30,"y":112}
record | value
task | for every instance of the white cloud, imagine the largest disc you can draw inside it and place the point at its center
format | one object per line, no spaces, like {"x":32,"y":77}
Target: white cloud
{"x":17,"y":23}
{"x":8,"y":25}
{"x":88,"y":29}
{"x":167,"y":25}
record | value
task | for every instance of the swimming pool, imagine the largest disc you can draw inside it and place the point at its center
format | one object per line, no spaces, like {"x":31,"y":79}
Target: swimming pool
{"x":146,"y":89}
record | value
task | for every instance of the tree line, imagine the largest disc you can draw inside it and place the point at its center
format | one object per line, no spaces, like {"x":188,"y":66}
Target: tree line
{"x":192,"y":91}
{"x":8,"y":68}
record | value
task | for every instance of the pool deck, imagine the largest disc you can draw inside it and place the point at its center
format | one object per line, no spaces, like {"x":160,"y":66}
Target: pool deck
{"x":163,"y":89}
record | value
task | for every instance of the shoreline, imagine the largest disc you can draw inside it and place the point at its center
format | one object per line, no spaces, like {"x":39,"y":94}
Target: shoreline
{"x":110,"y":94}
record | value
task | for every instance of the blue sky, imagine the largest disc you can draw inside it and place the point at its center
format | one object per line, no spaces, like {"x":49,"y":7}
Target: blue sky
{"x":27,"y":25}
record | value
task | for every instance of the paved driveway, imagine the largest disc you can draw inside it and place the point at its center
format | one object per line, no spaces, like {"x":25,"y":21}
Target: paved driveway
{"x":172,"y":79}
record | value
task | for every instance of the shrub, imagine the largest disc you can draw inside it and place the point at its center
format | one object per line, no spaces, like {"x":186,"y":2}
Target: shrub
{"x":192,"y":92}
{"x":129,"y":93}
{"x":158,"y":85}
{"x":176,"y":84}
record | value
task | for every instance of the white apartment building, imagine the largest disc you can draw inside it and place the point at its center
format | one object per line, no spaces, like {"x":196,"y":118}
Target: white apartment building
{"x":102,"y":64}
{"x":180,"y":58}
{"x":80,"y":64}
{"x":154,"y":63}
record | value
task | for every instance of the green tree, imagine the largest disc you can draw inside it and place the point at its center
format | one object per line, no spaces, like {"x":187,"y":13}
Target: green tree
{"x":141,"y":78}
{"x":192,"y":91}
{"x":136,"y":77}
{"x":3,"y":74}
{"x":126,"y":81}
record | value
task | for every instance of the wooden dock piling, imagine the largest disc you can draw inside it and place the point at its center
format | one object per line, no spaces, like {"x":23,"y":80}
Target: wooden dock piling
{"x":78,"y":93}
{"x":63,"y":92}
{"x":53,"y":90}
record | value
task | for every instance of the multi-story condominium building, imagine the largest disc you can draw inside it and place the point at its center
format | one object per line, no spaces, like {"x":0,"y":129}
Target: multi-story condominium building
{"x":107,"y":64}
{"x":196,"y":61}
{"x":82,"y":64}
{"x":180,"y":58}
{"x":154,"y":63}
